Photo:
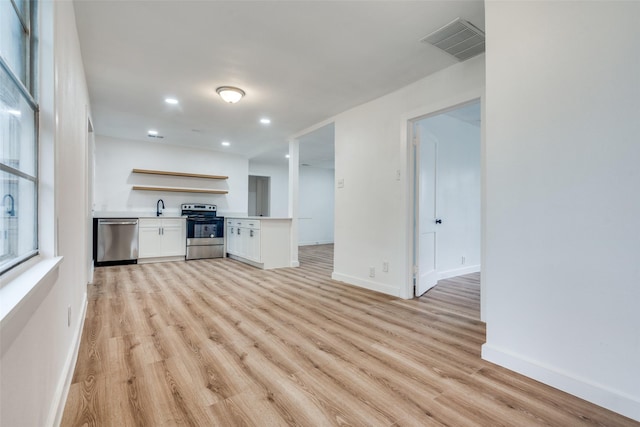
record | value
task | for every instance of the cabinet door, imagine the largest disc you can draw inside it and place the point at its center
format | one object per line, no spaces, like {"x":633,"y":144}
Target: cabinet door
{"x":149,"y":242}
{"x":174,"y":242}
{"x":231,"y":240}
{"x":253,"y":245}
{"x":241,"y":241}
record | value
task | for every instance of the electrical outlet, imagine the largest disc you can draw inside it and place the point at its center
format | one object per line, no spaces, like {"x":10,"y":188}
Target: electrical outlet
{"x":68,"y":316}
{"x":385,"y":266}
{"x":397,"y":174}
{"x":464,"y":260}
{"x":372,"y":272}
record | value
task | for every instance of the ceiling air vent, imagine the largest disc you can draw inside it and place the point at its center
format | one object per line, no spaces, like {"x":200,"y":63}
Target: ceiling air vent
{"x":459,"y":38}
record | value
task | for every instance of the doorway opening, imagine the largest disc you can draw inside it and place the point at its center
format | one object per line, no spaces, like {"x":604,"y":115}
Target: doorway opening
{"x":259,"y":195}
{"x":316,"y":194}
{"x":446,"y":194}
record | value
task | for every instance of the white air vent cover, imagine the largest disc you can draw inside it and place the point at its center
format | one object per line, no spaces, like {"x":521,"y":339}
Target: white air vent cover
{"x":458,"y":38}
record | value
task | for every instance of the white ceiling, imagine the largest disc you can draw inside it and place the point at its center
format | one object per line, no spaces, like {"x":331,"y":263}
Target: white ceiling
{"x":299,"y":62}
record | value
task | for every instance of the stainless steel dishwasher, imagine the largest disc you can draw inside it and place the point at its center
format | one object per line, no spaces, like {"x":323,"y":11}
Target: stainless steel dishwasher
{"x":117,"y":241}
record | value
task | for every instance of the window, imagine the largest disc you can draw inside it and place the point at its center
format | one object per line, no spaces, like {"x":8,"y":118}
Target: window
{"x":18,"y":134}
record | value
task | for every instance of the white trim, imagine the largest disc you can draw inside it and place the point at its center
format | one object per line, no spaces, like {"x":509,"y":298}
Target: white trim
{"x":406,"y":140}
{"x":314,"y":243}
{"x":64,"y":384}
{"x":458,"y":272}
{"x":21,"y":296}
{"x":313,"y":128}
{"x":598,"y":394}
{"x":367,"y":284}
{"x":161,"y":259}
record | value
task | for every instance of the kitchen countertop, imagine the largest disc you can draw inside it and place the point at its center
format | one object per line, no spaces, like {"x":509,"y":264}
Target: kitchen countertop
{"x":258,"y":217}
{"x":107,"y":214}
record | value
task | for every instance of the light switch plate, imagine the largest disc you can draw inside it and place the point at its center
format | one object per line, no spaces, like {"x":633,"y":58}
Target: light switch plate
{"x":341,"y":183}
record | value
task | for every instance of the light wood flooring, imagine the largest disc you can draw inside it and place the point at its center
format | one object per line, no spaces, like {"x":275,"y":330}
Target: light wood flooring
{"x":220,"y":343}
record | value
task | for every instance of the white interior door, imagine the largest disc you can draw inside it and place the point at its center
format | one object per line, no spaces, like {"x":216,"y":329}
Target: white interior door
{"x":427,"y":152}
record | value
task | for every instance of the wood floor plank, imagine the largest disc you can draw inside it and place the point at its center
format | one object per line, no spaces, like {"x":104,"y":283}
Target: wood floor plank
{"x":220,"y":343}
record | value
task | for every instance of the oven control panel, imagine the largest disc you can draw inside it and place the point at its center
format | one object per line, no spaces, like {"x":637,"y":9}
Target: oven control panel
{"x":194,"y":207}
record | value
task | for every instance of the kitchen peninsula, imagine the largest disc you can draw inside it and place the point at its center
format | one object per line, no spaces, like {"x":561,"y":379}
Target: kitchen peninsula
{"x":263,"y":242}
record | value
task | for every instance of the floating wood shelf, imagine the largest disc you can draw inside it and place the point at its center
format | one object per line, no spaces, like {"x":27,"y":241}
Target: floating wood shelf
{"x":179,"y":189}
{"x":189,"y":175}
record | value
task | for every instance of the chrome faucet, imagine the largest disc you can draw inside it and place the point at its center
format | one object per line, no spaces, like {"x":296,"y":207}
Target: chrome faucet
{"x":158,"y":208}
{"x":12,"y":210}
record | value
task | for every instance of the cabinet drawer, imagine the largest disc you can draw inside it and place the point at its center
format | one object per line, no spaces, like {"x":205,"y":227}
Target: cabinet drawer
{"x":251,"y":223}
{"x":148,"y":223}
{"x":173,"y":222}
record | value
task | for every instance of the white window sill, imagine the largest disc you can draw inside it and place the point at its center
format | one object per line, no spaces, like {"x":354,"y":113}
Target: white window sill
{"x":20,"y":296}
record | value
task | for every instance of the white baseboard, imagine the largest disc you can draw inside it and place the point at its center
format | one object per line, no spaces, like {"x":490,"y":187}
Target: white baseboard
{"x":458,"y":272}
{"x":161,"y":259}
{"x":64,"y":384}
{"x":321,"y":242}
{"x":367,"y":284}
{"x":614,"y":400}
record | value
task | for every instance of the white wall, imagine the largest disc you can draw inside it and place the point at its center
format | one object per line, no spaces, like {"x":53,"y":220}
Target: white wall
{"x":279,"y":192}
{"x":457,"y":194}
{"x":37,"y":346}
{"x":316,"y":199}
{"x":372,"y":220}
{"x":115,"y":158}
{"x":316,"y":205}
{"x":562,"y":207}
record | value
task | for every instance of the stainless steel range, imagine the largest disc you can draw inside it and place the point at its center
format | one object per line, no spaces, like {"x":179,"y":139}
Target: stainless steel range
{"x":205,"y":231}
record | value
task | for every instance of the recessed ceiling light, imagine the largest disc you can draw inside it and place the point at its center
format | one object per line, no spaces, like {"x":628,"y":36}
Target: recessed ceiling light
{"x":152,"y":132}
{"x":286,"y":155}
{"x":171,"y":101}
{"x":265,"y":121}
{"x":226,"y":143}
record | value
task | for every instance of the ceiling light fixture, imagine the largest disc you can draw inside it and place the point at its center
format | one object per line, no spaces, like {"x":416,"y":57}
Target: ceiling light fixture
{"x":287,"y":156}
{"x":226,"y":143}
{"x":171,"y":101}
{"x":265,"y":121}
{"x":152,"y":133}
{"x":230,"y":94}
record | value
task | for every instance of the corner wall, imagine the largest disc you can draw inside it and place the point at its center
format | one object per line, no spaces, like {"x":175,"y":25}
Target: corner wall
{"x":562,"y":207}
{"x":279,"y":191}
{"x":316,"y":201}
{"x":38,"y":347}
{"x":372,"y":212}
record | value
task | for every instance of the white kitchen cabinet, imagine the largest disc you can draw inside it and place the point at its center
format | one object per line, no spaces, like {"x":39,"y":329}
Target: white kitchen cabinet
{"x":232,"y":238}
{"x":161,"y":239}
{"x":263,"y":243}
{"x":149,"y":239}
{"x":252,"y":248}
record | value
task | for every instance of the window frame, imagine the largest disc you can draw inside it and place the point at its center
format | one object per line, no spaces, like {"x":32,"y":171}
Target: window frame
{"x":27,"y":89}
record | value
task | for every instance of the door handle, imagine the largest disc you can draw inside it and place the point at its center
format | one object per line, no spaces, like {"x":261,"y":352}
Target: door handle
{"x":438,"y":221}
{"x":117,"y":222}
